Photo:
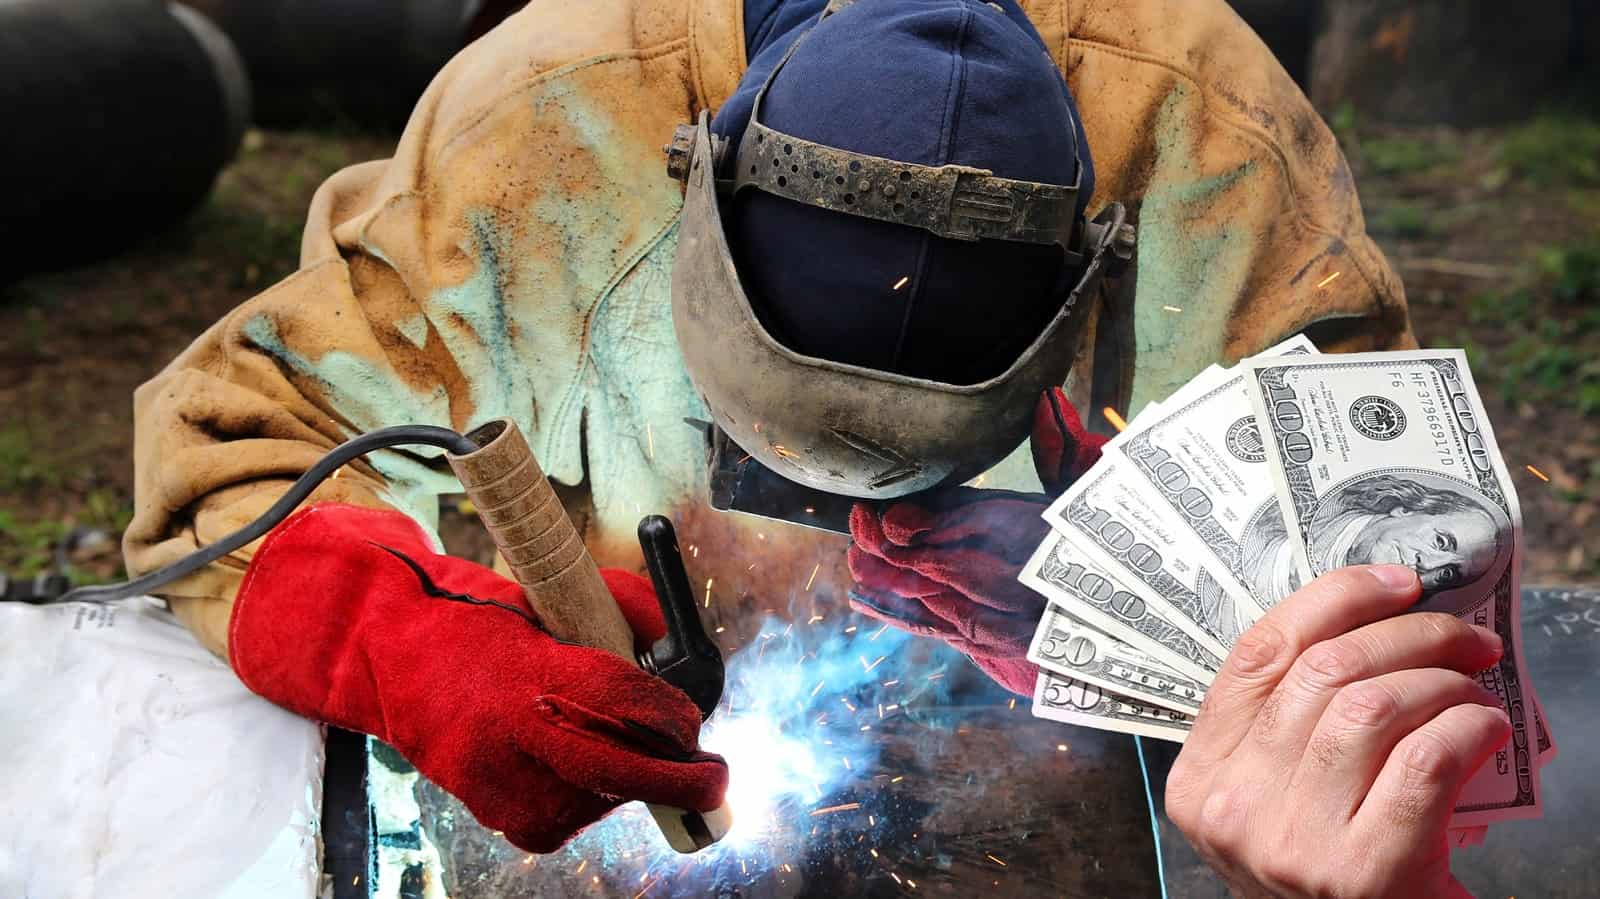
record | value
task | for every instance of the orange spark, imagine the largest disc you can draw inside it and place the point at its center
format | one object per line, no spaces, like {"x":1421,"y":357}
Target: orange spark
{"x":1115,"y":419}
{"x":898,"y":779}
{"x":813,"y":578}
{"x":708,"y":591}
{"x":847,"y":807}
{"x":994,"y":859}
{"x":581,"y":865}
{"x":1328,"y":280}
{"x":901,"y":283}
{"x":1537,"y":473}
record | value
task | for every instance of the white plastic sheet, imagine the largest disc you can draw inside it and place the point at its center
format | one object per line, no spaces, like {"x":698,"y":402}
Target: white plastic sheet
{"x":133,"y":763}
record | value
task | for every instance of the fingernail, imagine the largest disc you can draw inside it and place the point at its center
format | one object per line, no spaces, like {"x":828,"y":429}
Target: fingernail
{"x":1394,"y":578}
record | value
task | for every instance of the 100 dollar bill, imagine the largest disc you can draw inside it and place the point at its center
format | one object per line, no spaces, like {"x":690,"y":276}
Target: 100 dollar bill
{"x":1059,"y":572}
{"x":1203,"y":458}
{"x":1389,"y":458}
{"x":1120,"y":530}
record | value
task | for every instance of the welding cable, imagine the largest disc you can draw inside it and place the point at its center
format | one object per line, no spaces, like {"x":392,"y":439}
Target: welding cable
{"x":335,"y":458}
{"x":1155,"y":822}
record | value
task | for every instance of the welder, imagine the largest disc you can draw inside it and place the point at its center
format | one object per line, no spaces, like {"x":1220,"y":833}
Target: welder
{"x":912,"y":209}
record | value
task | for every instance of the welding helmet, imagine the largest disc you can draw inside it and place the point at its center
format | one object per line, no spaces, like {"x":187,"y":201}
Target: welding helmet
{"x":815,"y":411}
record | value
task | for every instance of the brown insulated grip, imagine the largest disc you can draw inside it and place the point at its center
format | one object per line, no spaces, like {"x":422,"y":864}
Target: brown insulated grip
{"x":544,"y":551}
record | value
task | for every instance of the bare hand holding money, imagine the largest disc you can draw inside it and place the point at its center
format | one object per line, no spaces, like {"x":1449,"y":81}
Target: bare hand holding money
{"x":1330,"y":750}
{"x":1247,"y":483}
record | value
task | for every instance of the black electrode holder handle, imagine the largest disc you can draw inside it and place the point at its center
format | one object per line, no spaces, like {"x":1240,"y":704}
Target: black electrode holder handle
{"x":685,"y":658}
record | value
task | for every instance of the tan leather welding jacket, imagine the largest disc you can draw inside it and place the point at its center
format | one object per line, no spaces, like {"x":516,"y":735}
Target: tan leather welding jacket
{"x":513,"y":259}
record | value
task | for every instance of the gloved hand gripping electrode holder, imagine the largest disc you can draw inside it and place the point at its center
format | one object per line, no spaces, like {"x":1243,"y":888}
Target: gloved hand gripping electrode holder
{"x":546,"y":556}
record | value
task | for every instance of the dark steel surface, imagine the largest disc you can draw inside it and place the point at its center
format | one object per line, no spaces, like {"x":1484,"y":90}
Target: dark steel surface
{"x":345,"y":822}
{"x":1071,"y":823}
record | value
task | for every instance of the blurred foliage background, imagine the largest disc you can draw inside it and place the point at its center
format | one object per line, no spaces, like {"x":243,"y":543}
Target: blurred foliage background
{"x":1472,"y":129}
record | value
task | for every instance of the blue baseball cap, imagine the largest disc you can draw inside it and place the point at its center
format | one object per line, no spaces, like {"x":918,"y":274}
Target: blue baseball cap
{"x":931,"y":82}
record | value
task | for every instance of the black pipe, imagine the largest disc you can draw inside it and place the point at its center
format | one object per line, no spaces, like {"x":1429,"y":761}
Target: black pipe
{"x":347,"y":62}
{"x":117,"y":116}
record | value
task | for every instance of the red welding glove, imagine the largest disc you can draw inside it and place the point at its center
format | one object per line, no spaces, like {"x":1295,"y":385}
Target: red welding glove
{"x":947,"y":566}
{"x":347,"y":616}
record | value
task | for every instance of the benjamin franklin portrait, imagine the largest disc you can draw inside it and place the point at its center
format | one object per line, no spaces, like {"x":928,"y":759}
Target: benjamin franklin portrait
{"x":1448,"y":533}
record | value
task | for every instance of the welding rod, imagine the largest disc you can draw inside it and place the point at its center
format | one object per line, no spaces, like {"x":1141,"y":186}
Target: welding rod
{"x":548,"y":559}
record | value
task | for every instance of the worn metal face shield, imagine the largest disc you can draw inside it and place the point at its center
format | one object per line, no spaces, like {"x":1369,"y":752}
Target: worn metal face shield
{"x":799,"y":438}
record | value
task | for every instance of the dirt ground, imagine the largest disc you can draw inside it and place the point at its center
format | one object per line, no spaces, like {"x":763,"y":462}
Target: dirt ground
{"x":1496,"y":234}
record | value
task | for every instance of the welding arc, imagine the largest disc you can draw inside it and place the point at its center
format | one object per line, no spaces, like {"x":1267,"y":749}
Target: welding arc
{"x":331,"y":462}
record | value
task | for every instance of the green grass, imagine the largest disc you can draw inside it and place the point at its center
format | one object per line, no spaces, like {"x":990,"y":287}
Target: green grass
{"x":28,"y":543}
{"x":20,"y":466}
{"x":26,"y":547}
{"x":1404,"y":156}
{"x":1574,"y":271}
{"x":1555,"y":150}
{"x":1403,"y":220}
{"x":1553,"y":322}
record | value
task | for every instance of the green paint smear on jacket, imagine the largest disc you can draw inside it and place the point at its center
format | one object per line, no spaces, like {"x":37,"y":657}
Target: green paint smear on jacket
{"x":367,"y":394}
{"x":1184,"y":262}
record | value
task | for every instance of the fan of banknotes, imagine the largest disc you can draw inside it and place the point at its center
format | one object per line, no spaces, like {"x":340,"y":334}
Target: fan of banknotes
{"x":1218,"y":502}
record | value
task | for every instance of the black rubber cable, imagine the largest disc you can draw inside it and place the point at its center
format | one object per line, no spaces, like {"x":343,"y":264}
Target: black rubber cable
{"x":338,"y":456}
